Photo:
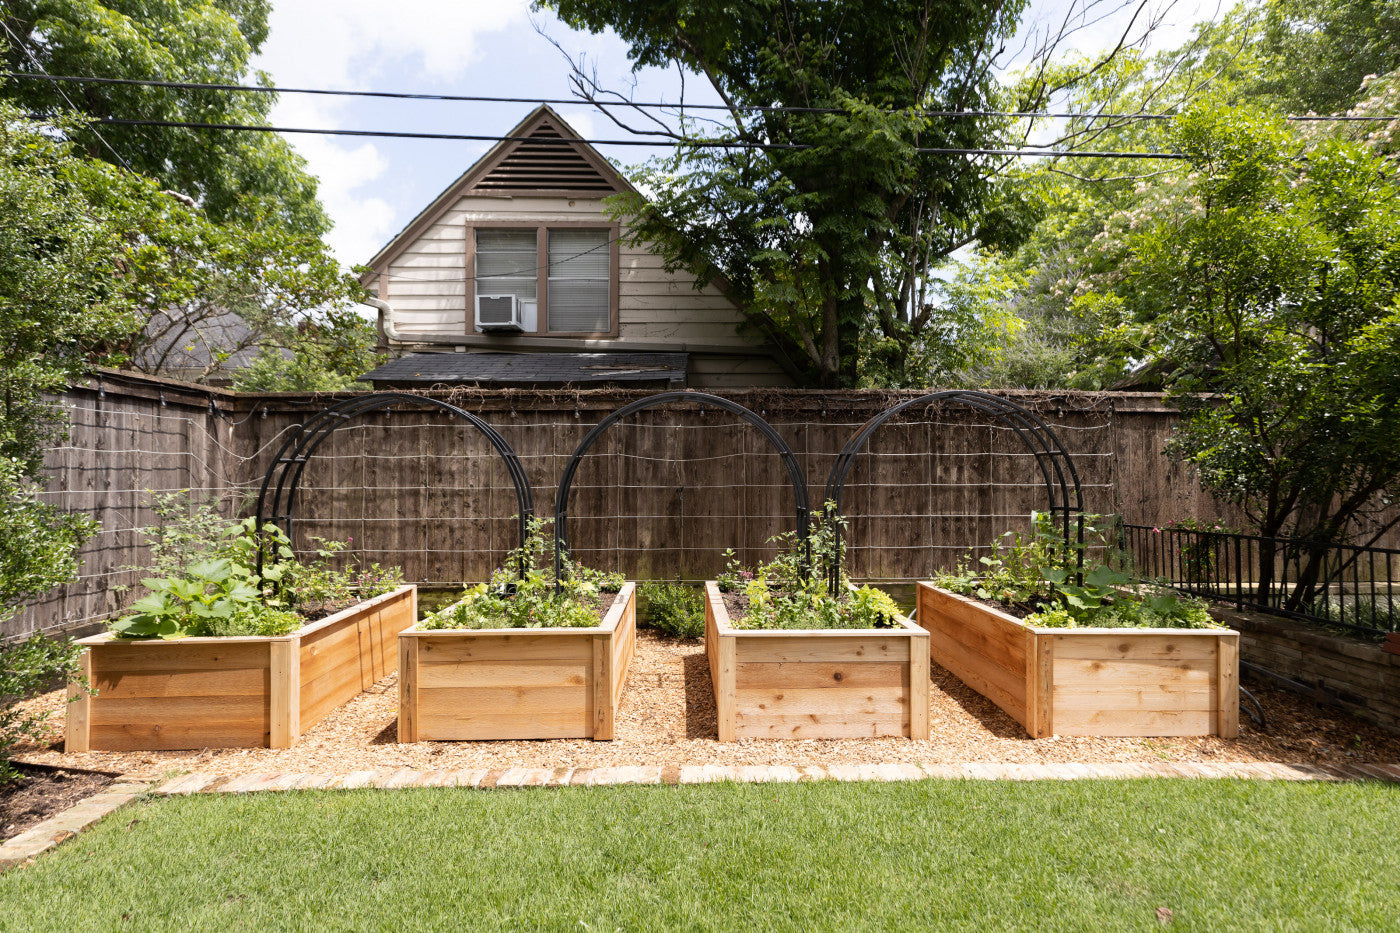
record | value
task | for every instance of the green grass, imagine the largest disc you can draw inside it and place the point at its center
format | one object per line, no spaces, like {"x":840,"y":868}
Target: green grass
{"x":1081,"y":855}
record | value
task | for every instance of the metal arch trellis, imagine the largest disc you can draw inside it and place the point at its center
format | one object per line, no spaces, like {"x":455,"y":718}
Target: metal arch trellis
{"x":1051,"y":456}
{"x":284,"y":473}
{"x":561,"y":501}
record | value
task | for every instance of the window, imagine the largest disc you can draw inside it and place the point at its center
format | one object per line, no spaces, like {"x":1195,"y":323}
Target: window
{"x":574,"y":295}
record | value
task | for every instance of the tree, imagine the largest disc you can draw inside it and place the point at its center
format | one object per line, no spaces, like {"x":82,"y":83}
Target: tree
{"x":231,"y":174}
{"x":61,"y":306}
{"x":234,"y":259}
{"x":325,"y":354}
{"x":831,"y":247}
{"x":1265,"y":285}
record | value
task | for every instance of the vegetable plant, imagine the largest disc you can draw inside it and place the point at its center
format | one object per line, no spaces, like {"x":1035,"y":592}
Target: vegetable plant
{"x":1055,"y":583}
{"x":207,"y":584}
{"x":792,"y":590}
{"x":523,"y":592}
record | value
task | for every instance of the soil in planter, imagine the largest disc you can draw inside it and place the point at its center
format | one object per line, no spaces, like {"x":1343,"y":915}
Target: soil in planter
{"x":736,"y":603}
{"x":41,"y":791}
{"x":602,"y":604}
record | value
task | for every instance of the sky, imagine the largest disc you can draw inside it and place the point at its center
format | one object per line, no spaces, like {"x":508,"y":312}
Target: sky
{"x":372,"y":187}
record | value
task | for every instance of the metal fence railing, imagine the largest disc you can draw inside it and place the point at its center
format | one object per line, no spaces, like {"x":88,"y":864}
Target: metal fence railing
{"x":1336,"y":584}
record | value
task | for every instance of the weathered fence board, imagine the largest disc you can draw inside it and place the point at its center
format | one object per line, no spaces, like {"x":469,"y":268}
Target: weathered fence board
{"x":660,"y":496}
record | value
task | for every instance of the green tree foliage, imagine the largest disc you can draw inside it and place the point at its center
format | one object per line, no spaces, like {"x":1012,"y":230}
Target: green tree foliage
{"x":1316,"y":54}
{"x":233,"y":175}
{"x":1266,"y":277}
{"x":325,"y":354}
{"x":829,"y":249}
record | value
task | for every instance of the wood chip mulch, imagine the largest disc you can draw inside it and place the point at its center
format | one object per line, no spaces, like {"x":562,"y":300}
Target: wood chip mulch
{"x":667,"y":717}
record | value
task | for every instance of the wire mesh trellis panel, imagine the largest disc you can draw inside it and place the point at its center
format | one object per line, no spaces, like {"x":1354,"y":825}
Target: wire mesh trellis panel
{"x":670,"y":492}
{"x":935,"y":484}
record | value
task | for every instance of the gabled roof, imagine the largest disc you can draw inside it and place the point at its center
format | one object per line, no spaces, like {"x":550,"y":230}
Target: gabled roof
{"x":541,"y":156}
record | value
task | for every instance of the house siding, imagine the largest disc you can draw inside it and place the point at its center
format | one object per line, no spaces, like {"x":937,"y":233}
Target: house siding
{"x":427,"y":287}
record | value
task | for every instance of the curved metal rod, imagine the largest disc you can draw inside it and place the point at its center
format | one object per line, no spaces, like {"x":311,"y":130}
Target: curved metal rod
{"x":561,"y":500}
{"x":292,"y":456}
{"x":357,"y":407}
{"x":1035,"y":433}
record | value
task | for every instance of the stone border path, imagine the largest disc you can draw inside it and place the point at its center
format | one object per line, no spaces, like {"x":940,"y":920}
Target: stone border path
{"x":31,"y":843}
{"x":386,"y":779}
{"x":38,"y":839}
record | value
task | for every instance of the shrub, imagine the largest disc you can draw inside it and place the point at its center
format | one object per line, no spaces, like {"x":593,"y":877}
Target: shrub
{"x":27,"y":668}
{"x":674,"y":608}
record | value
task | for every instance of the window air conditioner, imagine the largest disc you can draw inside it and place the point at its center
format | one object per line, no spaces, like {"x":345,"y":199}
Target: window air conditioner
{"x":498,"y":312}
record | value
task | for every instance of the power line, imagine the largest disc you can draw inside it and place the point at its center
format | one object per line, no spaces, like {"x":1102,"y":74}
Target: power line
{"x":58,"y":87}
{"x":652,"y":105}
{"x":709,"y":144}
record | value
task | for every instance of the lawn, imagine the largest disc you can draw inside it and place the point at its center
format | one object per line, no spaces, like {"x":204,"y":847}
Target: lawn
{"x":974,"y":855}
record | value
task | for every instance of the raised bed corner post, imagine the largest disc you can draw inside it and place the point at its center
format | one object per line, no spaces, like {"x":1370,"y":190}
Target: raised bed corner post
{"x":1051,"y":456}
{"x":277,"y":495}
{"x":561,"y":501}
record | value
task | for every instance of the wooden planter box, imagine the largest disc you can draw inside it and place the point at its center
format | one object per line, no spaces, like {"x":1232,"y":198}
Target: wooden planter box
{"x":543,"y":683}
{"x":1088,"y":681}
{"x":250,"y":692}
{"x":816,"y":683}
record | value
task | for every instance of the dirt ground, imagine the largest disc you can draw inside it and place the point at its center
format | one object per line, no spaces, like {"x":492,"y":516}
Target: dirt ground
{"x":667,"y":717}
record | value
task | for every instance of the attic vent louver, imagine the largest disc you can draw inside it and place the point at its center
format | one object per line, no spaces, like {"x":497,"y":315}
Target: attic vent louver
{"x":546,"y":161}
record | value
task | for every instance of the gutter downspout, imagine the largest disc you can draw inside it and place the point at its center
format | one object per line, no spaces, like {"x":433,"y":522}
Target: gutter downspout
{"x":386,"y":318}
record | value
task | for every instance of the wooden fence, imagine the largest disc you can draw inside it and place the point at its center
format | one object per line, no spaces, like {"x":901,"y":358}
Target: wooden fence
{"x":662,"y":495}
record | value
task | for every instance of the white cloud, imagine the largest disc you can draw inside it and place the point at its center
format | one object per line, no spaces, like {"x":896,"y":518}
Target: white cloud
{"x":361,"y":45}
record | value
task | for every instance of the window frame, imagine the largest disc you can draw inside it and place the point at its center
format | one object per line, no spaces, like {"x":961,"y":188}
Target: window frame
{"x":542,"y":228}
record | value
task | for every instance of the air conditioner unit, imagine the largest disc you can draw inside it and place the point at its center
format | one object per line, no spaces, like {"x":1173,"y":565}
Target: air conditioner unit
{"x":498,"y":312}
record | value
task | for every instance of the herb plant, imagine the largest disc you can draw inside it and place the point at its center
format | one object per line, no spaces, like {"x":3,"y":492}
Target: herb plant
{"x":522,"y":592}
{"x":791,"y":591}
{"x":1055,"y":584}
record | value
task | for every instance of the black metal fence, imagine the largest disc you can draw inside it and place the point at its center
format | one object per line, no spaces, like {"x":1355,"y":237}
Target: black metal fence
{"x":1337,"y":584}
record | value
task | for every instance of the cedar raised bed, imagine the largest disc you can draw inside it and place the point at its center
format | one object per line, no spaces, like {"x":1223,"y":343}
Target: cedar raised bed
{"x":542,"y":683}
{"x":816,"y":683}
{"x":1088,"y":681}
{"x":236,"y":692}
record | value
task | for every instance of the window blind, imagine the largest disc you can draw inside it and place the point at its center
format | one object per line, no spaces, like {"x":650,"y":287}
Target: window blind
{"x":580,"y":266}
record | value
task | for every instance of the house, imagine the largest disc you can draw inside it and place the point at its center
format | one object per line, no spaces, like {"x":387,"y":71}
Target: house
{"x":516,"y":275}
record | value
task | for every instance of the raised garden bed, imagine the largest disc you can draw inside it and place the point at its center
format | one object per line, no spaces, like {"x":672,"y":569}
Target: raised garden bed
{"x":512,"y":683}
{"x":248,"y":691}
{"x":1087,"y":681}
{"x":816,"y":683}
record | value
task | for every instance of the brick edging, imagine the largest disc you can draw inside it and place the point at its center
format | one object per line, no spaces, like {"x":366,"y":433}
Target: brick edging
{"x":64,"y":825}
{"x":484,"y":779}
{"x":39,"y":839}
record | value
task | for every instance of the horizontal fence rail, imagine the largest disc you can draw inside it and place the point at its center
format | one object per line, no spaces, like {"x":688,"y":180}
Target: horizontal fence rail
{"x":1335,"y":584}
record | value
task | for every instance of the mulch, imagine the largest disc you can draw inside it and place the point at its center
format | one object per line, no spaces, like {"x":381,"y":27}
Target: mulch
{"x":667,"y":717}
{"x":41,"y":791}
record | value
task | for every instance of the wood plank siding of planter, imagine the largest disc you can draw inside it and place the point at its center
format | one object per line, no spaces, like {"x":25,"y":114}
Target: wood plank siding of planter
{"x":238,"y":692}
{"x":1089,"y":681}
{"x":553,"y":683}
{"x":816,"y":683}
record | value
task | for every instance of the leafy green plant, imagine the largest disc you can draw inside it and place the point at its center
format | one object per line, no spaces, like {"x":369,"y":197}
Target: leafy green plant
{"x":791,"y":591}
{"x":1056,"y":584}
{"x":523,"y":592}
{"x":27,"y":668}
{"x":1197,"y":549}
{"x":208,"y":585}
{"x":674,"y":608}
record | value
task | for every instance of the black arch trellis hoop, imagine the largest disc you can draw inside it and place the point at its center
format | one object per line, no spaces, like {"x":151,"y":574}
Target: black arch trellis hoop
{"x":284,"y":473}
{"x":1051,"y":456}
{"x":561,"y":501}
